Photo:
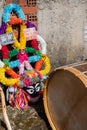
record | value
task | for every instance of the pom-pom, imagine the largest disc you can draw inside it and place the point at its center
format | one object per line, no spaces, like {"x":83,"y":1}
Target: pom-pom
{"x":14,"y":20}
{"x":12,"y":7}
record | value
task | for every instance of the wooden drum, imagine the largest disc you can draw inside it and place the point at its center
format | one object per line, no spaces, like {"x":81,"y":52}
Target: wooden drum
{"x":65,"y":97}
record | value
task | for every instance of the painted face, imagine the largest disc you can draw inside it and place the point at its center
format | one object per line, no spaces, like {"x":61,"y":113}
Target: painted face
{"x":33,"y":90}
{"x":22,"y":51}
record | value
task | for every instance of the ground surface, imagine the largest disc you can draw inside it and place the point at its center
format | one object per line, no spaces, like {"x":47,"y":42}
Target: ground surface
{"x":33,"y":118}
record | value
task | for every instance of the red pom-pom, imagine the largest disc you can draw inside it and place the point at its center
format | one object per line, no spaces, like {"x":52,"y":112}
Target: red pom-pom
{"x":34,"y":44}
{"x":5,"y":52}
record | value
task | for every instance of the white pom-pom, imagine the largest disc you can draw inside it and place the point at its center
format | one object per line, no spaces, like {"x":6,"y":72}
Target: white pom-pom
{"x":42,"y":44}
{"x":0,"y":46}
{"x":1,"y":64}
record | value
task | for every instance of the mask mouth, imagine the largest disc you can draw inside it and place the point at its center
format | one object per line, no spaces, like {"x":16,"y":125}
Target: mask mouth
{"x":34,"y":95}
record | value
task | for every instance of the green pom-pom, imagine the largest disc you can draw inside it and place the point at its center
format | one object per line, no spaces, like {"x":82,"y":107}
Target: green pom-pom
{"x":13,"y":52}
{"x":6,"y":61}
{"x":38,"y":53}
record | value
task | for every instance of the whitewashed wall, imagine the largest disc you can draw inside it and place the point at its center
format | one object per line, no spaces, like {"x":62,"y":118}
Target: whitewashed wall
{"x":61,"y":23}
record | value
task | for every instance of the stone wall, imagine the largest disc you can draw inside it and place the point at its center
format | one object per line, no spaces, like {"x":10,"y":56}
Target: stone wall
{"x":61,"y":24}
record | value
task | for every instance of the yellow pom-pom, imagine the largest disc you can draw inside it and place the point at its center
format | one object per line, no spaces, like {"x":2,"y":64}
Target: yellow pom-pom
{"x":6,"y":81}
{"x":22,"y":43}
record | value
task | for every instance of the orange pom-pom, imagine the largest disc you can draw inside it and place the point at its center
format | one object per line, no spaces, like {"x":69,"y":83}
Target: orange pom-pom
{"x":15,"y":20}
{"x":12,"y":73}
{"x":38,"y":65}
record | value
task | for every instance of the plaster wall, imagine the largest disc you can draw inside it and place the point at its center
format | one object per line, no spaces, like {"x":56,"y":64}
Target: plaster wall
{"x":61,"y":23}
{"x":2,"y":3}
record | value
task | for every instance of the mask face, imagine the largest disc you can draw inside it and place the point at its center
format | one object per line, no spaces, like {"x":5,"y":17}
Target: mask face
{"x":33,"y":90}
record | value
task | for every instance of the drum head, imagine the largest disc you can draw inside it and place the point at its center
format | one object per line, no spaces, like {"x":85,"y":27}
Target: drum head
{"x":65,"y":101}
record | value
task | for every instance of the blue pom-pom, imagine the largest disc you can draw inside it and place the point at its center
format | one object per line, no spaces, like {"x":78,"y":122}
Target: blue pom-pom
{"x":31,"y":59}
{"x":12,"y":7}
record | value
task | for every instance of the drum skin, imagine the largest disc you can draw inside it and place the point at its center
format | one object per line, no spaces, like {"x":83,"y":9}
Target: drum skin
{"x":65,"y":98}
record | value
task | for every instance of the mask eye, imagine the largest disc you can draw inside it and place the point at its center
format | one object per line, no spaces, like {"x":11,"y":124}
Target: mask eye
{"x":30,"y":91}
{"x":37,"y":87}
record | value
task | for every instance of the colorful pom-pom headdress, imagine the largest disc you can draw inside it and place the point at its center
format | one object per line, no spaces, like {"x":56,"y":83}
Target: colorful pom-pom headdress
{"x":24,"y":66}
